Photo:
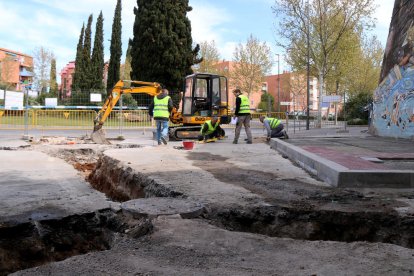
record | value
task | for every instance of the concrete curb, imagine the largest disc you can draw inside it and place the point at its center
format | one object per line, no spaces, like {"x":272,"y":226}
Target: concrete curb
{"x":339,"y":176}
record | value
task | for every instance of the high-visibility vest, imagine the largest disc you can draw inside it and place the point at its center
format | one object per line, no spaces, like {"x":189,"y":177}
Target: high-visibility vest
{"x":210,"y":129}
{"x":161,"y":107}
{"x":244,"y":105}
{"x":273,"y":122}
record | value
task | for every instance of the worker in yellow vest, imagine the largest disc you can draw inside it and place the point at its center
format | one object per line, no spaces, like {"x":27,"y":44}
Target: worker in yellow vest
{"x":211,"y":130}
{"x":274,"y":128}
{"x":160,"y":110}
{"x":242,"y":113}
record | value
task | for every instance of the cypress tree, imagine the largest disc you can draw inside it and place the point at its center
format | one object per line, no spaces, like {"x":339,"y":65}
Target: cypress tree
{"x":162,"y":43}
{"x":86,"y":79}
{"x":97,"y":61}
{"x":115,"y":49}
{"x":53,"y":84}
{"x":78,"y":62}
{"x":127,"y":64}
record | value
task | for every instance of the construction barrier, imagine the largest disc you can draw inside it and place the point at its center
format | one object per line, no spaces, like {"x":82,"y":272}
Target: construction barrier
{"x":63,"y":119}
{"x":15,"y":119}
{"x":118,"y":119}
{"x":71,"y":119}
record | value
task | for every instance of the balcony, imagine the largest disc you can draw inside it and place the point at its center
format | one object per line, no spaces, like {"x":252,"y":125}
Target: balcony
{"x":25,"y":73}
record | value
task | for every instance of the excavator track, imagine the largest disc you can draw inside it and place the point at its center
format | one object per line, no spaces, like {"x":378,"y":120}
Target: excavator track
{"x":184,"y":132}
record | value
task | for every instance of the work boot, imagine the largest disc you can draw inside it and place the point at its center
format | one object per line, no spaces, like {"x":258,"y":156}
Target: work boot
{"x":164,"y":140}
{"x":249,"y":142}
{"x":285,"y":134}
{"x":235,"y":142}
{"x":159,"y":143}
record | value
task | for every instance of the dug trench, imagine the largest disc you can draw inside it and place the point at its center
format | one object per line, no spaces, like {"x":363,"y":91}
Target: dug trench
{"x":35,"y":243}
{"x":294,"y":210}
{"x":40,"y":241}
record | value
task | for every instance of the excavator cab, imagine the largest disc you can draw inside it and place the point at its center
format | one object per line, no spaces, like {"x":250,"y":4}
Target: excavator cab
{"x":204,"y":96}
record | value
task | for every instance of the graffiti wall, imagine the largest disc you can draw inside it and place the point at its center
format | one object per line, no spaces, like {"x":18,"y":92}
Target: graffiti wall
{"x":393,"y":107}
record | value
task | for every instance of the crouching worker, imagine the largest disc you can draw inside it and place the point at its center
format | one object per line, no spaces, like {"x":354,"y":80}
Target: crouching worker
{"x":274,"y":128}
{"x":211,"y":130}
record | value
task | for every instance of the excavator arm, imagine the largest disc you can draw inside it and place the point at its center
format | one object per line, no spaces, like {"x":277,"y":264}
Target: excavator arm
{"x":121,"y":87}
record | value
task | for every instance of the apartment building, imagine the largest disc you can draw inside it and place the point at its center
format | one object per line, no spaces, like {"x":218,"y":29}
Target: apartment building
{"x":15,"y":68}
{"x":224,"y":68}
{"x":66,"y":79}
{"x":288,"y":89}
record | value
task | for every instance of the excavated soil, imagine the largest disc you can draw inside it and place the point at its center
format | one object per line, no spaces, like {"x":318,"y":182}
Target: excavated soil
{"x":293,"y":209}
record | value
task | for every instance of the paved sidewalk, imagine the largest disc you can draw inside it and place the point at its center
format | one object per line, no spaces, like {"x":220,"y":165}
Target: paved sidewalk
{"x":353,"y":151}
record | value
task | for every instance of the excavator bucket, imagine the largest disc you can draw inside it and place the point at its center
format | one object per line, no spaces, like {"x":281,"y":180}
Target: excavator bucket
{"x":98,"y":136}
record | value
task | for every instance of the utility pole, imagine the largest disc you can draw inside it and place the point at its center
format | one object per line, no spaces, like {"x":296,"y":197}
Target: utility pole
{"x":278,"y":83}
{"x":26,"y":111}
{"x":307,"y":68}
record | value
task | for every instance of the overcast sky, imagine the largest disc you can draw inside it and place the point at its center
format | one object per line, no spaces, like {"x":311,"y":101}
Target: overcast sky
{"x":56,"y":24}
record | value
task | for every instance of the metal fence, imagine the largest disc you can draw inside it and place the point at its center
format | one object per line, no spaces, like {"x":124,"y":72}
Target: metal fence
{"x":71,"y":119}
{"x":78,"y":110}
{"x":44,"y":119}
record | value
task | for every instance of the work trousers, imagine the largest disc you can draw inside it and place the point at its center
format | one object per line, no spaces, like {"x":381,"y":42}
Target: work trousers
{"x":162,"y":129}
{"x":277,"y":131}
{"x":217,"y":133}
{"x":243,"y":121}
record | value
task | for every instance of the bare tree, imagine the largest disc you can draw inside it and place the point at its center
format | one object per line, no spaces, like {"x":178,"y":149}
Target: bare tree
{"x":366,"y":68}
{"x":210,"y":57}
{"x":327,"y":23}
{"x":252,"y":64}
{"x":295,"y":85}
{"x":42,"y":58}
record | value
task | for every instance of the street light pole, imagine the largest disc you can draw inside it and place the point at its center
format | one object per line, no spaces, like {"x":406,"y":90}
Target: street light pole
{"x":278,"y":83}
{"x":307,"y":69}
{"x":26,"y":112}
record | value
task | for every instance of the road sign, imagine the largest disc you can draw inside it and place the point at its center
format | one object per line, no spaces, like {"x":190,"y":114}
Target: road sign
{"x":286,"y":103}
{"x":331,"y":99}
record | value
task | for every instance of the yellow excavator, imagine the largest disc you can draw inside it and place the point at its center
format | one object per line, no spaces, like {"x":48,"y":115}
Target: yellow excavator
{"x":204,"y":96}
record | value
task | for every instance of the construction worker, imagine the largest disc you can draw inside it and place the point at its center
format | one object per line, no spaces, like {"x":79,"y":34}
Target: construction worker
{"x":274,"y":128}
{"x":211,"y":130}
{"x":160,"y":109}
{"x":242,"y":113}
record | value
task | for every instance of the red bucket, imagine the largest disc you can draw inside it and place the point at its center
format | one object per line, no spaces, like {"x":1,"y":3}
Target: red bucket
{"x":188,"y":145}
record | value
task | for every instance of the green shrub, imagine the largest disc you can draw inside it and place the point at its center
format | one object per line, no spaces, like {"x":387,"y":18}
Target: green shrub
{"x":357,"y":121}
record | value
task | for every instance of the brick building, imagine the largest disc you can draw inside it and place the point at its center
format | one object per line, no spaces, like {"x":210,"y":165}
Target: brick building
{"x":291,"y":92}
{"x":15,"y":68}
{"x":66,"y":79}
{"x":224,"y":68}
